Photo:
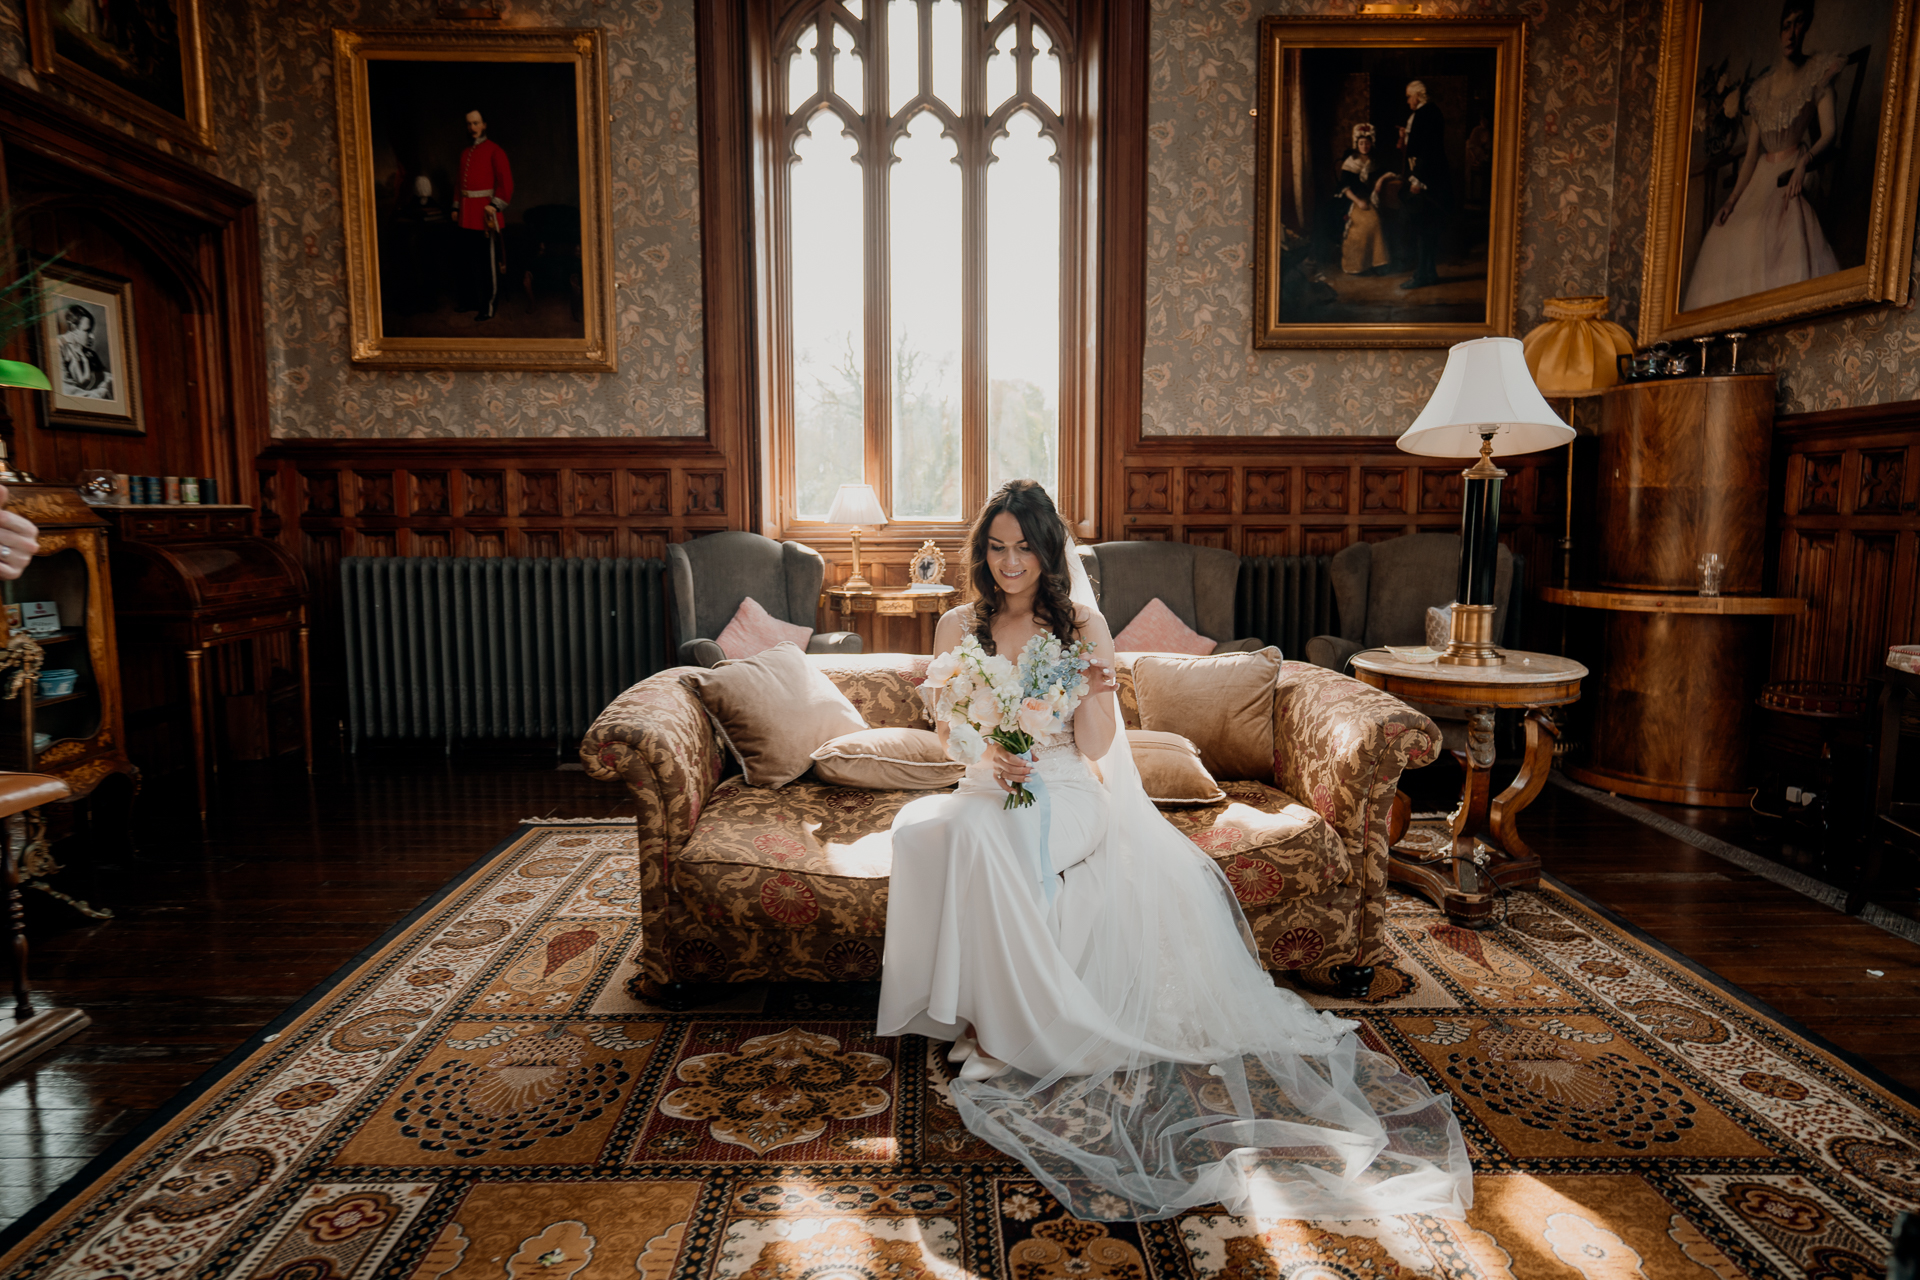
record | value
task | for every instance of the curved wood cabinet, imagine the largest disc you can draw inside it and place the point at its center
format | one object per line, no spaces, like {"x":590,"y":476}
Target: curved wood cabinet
{"x":1683,"y":472}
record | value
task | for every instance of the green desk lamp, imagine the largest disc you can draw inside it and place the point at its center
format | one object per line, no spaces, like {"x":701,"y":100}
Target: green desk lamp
{"x":18,"y":373}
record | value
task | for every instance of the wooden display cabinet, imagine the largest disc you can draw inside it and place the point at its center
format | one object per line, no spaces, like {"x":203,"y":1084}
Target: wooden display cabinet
{"x":84,"y":730}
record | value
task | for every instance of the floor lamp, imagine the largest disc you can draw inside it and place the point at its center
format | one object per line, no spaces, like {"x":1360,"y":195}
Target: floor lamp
{"x":1487,"y":404}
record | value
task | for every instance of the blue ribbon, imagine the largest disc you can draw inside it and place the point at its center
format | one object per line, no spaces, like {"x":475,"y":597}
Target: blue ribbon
{"x":1035,"y":823}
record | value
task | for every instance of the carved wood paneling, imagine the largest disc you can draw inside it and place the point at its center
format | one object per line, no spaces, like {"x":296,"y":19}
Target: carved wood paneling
{"x":1313,"y":496}
{"x":1847,"y":507}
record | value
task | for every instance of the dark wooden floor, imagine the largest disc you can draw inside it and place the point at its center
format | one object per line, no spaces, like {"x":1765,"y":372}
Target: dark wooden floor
{"x":213,"y":939}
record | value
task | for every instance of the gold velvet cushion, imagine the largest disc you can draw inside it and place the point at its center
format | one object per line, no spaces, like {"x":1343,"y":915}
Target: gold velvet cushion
{"x":773,"y":709}
{"x":1223,"y":704}
{"x":1170,"y":769}
{"x":887,"y":760}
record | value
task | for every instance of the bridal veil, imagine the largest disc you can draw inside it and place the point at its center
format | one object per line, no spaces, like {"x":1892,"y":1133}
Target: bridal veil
{"x":1206,"y":1082}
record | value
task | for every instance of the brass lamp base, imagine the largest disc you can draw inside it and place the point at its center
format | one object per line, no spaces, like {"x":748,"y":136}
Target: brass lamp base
{"x":856,"y":581}
{"x":1470,"y":643}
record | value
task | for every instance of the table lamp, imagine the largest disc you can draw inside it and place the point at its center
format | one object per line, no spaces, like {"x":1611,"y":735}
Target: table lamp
{"x":857,"y":505}
{"x":1485,"y":396}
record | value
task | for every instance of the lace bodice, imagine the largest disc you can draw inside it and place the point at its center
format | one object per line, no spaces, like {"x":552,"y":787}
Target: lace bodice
{"x":1781,"y":102}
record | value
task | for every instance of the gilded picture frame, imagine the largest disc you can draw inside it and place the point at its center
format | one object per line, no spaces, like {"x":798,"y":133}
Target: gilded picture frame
{"x":1716,"y":258}
{"x":1351,"y":247}
{"x":515,"y":275}
{"x":147,"y":63}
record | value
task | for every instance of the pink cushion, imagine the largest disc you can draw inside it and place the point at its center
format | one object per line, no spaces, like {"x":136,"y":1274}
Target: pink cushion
{"x":1905,"y":657}
{"x":1158,"y":629}
{"x":754,"y":630}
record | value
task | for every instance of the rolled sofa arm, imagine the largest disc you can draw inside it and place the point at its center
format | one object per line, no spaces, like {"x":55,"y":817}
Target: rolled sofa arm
{"x":658,"y":739}
{"x":1340,"y":746}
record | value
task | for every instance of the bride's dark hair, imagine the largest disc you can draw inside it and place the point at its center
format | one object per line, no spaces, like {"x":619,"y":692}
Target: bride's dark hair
{"x":1045,"y":534}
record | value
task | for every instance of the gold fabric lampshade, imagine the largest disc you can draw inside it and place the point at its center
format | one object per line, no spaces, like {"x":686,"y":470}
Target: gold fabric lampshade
{"x":1575,"y":349}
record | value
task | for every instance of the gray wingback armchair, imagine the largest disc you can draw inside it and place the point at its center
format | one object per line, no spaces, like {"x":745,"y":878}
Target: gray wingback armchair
{"x":1383,"y":591}
{"x":710,"y":576}
{"x":1197,"y":583}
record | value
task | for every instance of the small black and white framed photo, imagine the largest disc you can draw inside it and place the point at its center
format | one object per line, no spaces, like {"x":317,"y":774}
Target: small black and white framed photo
{"x":87,"y":341}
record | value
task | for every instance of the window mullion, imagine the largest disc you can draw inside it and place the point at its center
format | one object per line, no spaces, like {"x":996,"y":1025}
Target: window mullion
{"x":877,"y":143}
{"x":974,"y":156}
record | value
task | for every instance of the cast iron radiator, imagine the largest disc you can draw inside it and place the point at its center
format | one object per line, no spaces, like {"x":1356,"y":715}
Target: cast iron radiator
{"x":454,"y":648}
{"x":1285,"y":600}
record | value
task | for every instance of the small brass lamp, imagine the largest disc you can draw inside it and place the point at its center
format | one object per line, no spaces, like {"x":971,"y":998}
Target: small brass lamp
{"x":857,"y":505}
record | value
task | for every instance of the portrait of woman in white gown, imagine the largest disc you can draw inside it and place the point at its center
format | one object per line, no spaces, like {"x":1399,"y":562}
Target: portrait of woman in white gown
{"x":1114,"y":1028}
{"x":1766,"y":234}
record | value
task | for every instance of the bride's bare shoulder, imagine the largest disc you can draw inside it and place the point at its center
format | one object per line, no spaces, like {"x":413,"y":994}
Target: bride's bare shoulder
{"x":961,"y":615}
{"x":1088,"y":620}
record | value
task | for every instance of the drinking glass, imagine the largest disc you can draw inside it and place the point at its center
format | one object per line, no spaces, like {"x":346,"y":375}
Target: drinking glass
{"x":1711,"y":573}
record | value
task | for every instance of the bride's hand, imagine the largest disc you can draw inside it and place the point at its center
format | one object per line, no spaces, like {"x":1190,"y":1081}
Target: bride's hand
{"x":1796,"y":182}
{"x":1008,"y":769}
{"x":1101,"y":679}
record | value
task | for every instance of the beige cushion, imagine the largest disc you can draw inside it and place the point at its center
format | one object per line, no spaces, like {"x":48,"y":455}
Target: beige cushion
{"x":1223,"y":704}
{"x":1170,"y":769}
{"x":773,"y":709}
{"x":887,"y":760}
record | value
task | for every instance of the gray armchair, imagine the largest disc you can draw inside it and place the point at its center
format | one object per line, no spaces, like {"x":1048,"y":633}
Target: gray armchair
{"x":1197,"y":583}
{"x":710,"y":576}
{"x":1383,"y":591}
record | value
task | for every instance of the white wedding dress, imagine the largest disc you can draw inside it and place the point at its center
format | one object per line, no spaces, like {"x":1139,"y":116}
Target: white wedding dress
{"x":1144,"y":1062}
{"x":1768,"y":240}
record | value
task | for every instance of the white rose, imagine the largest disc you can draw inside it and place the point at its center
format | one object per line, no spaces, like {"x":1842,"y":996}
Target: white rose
{"x":964,"y":743}
{"x":943,"y":669}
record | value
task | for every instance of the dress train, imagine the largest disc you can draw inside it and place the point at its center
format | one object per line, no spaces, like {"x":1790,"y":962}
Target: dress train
{"x":1132,"y":1051}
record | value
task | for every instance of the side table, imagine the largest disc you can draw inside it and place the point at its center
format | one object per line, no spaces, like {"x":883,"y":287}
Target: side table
{"x":927,"y":603}
{"x":1487,"y":853}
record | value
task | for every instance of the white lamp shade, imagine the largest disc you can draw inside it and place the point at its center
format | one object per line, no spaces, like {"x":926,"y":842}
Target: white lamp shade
{"x":1484,"y":389}
{"x":856,"y":504}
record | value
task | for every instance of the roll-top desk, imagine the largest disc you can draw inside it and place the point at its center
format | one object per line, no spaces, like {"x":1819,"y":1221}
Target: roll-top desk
{"x":191,"y":584}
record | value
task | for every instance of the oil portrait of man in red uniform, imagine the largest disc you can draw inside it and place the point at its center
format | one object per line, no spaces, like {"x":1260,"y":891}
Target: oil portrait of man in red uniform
{"x":477,"y":181}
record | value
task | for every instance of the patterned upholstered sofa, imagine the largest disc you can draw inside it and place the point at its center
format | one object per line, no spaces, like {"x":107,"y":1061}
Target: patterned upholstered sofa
{"x":740,"y":883}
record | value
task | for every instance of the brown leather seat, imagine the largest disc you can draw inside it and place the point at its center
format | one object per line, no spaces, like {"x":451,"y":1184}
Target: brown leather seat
{"x":22,"y":791}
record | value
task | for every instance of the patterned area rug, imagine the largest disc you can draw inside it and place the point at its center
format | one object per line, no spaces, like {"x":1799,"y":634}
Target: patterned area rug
{"x":479,"y":1096}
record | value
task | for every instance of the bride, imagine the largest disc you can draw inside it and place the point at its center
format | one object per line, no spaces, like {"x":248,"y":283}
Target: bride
{"x":1114,"y":1029}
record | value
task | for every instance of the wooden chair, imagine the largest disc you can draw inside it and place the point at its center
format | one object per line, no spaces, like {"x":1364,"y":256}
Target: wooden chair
{"x":31,"y":1034}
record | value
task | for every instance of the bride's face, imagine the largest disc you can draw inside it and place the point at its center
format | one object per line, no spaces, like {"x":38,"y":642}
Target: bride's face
{"x":1015,"y":566}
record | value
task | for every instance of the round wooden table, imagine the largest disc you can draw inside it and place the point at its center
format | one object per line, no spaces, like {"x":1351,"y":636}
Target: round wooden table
{"x":1486,"y":853}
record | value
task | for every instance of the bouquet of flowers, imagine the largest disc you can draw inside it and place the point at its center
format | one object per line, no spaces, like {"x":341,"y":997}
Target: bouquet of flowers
{"x":986,"y":698}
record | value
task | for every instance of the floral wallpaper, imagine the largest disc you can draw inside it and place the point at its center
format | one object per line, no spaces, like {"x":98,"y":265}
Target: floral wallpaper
{"x":1590,"y":87}
{"x":271,"y":66}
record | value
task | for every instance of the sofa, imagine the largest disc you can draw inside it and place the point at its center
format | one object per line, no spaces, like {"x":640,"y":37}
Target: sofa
{"x":740,"y":883}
